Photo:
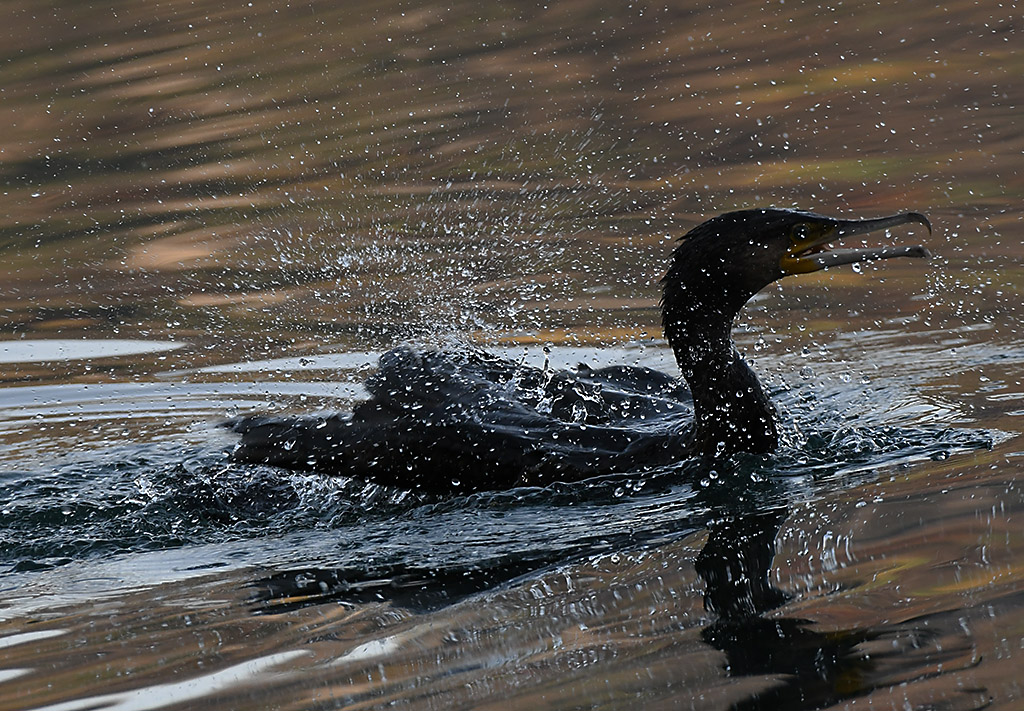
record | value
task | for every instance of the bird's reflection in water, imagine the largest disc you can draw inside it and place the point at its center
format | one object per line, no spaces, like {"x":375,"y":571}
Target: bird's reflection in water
{"x":803,"y":668}
{"x":809,"y":669}
{"x":812,"y":669}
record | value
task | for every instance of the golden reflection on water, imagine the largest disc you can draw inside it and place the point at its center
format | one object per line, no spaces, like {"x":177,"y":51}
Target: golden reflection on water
{"x":274,"y":179}
{"x":342,"y":169}
{"x":618,"y":626}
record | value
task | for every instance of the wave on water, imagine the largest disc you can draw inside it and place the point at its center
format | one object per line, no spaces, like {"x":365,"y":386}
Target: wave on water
{"x":148,"y":497}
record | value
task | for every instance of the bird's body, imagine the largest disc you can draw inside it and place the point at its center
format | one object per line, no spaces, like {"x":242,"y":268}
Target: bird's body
{"x":464,"y":421}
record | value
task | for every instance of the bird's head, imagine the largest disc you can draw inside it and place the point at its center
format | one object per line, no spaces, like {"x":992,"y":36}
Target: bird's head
{"x":729,"y":258}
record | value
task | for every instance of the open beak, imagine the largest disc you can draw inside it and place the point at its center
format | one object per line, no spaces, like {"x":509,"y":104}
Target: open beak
{"x":811,"y":254}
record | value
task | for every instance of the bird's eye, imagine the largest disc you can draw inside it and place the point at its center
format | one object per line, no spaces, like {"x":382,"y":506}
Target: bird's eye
{"x":801,"y":233}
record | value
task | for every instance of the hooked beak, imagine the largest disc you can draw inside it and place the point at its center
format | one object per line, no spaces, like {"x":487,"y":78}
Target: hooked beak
{"x":811,"y":254}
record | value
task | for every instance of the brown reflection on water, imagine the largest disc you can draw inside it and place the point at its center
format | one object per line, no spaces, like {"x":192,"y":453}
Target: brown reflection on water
{"x":379,"y":170}
{"x":277,"y":179}
{"x":568,"y":625}
{"x":879,"y":573}
{"x":933,"y":552}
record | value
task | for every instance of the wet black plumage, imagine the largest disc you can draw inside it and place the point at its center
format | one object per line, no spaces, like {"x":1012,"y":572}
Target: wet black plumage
{"x":466,"y":420}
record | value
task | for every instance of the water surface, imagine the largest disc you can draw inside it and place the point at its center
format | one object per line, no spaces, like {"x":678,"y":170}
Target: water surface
{"x":219,"y":209}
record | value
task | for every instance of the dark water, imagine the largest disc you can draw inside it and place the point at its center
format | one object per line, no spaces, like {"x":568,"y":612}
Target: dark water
{"x":220,"y":209}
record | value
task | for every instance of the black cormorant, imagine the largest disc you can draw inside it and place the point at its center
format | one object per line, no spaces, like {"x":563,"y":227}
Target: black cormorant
{"x":454,"y":422}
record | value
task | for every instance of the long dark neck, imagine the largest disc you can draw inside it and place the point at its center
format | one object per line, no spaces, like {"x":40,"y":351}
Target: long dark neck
{"x":732,"y":412}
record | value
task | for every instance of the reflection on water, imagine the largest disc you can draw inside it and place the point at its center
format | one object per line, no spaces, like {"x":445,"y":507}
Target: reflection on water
{"x":383,"y":171}
{"x":59,"y":349}
{"x":193,"y":689}
{"x":285,"y":190}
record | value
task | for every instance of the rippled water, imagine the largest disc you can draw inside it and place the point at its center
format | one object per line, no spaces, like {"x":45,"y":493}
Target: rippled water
{"x":217,"y":209}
